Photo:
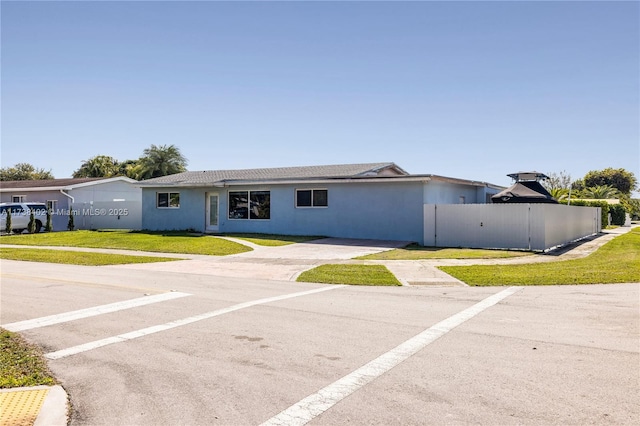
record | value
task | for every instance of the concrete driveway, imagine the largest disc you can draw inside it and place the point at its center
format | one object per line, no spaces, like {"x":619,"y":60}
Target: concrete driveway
{"x":282,"y":263}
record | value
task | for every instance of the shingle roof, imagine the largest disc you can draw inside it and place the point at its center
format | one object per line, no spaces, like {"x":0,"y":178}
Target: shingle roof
{"x":278,"y":173}
{"x":47,"y":183}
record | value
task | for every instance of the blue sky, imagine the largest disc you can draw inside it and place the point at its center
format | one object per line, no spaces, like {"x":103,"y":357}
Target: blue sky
{"x":473,"y":90}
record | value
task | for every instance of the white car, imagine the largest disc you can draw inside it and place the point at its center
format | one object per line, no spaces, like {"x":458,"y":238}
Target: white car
{"x":20,"y":215}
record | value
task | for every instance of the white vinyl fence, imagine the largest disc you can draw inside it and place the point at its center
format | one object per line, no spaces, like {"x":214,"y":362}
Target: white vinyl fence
{"x":535,"y":227}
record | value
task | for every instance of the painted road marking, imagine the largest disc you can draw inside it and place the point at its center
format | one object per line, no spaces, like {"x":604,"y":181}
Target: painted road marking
{"x":178,"y":323}
{"x":314,"y":405}
{"x":91,"y":312}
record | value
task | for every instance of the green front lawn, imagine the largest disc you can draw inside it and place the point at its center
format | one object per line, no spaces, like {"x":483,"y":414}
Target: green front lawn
{"x":76,"y":257}
{"x":618,"y":261}
{"x":165,"y":242}
{"x":417,"y":252}
{"x":21,"y":364}
{"x":350,"y":274}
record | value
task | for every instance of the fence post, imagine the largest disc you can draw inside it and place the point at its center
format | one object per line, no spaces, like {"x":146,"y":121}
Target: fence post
{"x":529,"y":225}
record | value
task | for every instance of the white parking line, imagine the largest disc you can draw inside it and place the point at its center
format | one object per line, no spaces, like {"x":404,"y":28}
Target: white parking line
{"x":314,"y":405}
{"x":90,"y":312}
{"x":173,"y":324}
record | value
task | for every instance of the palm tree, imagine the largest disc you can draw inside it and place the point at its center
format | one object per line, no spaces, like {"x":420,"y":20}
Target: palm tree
{"x":98,"y":166}
{"x":600,"y":192}
{"x":128,"y":168}
{"x":559,"y":193}
{"x":159,"y":161}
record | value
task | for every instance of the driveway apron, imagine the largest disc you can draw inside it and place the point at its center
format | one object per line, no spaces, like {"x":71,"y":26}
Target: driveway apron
{"x":281,"y":263}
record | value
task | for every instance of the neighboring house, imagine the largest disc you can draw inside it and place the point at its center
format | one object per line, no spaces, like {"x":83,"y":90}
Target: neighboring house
{"x":368,"y":201}
{"x":96,"y":202}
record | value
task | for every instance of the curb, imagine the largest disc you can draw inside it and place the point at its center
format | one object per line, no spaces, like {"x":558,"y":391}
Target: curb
{"x":37,"y":406}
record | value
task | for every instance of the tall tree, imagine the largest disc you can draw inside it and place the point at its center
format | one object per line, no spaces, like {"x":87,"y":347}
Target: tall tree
{"x":621,"y":179}
{"x":161,"y":160}
{"x":98,"y":166}
{"x":560,"y":180}
{"x":24,"y":171}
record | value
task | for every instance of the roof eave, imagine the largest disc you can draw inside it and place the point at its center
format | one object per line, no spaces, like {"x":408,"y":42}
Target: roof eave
{"x":324,"y":180}
{"x":34,"y":189}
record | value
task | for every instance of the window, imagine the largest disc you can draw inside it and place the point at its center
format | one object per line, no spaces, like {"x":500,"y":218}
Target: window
{"x":312,"y":198}
{"x":250,"y":205}
{"x":167,"y":200}
{"x":462,"y":199}
{"x":18,"y":198}
{"x":52,"y":205}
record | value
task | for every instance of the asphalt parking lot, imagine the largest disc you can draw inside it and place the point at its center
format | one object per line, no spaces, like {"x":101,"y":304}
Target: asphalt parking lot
{"x":206,"y":350}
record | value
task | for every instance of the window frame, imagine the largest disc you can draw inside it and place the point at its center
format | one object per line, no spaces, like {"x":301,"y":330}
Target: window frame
{"x":312,"y":206}
{"x":52,"y":205}
{"x":20,"y":198}
{"x":249,"y":211}
{"x":169,"y":194}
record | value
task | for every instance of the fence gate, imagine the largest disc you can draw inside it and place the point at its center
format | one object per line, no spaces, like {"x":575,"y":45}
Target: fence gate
{"x":535,"y":227}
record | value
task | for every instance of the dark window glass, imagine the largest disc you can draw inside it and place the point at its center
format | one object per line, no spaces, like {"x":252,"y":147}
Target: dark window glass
{"x":303,"y":198}
{"x":238,"y":205}
{"x":168,"y":199}
{"x":320,"y":198}
{"x":260,"y":204}
{"x":163,"y":199}
{"x":312,"y":198}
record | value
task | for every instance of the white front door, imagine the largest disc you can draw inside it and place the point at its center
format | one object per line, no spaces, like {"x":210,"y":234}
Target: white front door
{"x":212,"y":211}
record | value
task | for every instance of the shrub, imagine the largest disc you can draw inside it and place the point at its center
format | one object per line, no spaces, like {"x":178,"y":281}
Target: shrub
{"x":618,"y":214}
{"x":8,"y":224}
{"x":70,"y":225}
{"x":31,"y":227}
{"x":48,"y":227}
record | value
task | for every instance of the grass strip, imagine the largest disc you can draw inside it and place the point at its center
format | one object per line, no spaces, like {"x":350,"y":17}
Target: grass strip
{"x":376,"y":275}
{"x":163,"y":242}
{"x":417,"y":252}
{"x":617,"y":261}
{"x":21,"y":364}
{"x":273,"y":240}
{"x":76,"y":257}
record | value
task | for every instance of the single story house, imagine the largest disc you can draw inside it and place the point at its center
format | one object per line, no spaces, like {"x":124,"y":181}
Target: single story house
{"x":95,"y":202}
{"x":367,"y":201}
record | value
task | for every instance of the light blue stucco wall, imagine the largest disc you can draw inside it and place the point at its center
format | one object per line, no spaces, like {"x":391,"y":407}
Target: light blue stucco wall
{"x":382,"y":210}
{"x":356,"y":210}
{"x":437,"y":192}
{"x":190,"y":214}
